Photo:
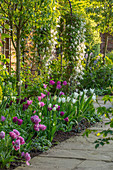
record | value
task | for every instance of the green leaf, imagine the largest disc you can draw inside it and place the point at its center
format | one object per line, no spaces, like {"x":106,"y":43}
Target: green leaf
{"x":3,"y":36}
{"x":96,"y":146}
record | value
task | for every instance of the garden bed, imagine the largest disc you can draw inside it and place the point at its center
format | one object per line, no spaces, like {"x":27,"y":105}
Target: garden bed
{"x":60,"y":136}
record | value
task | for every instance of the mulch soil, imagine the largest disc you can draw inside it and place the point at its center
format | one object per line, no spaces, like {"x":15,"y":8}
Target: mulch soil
{"x":59,"y":137}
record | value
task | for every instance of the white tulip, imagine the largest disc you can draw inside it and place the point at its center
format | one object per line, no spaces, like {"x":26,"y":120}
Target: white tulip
{"x":74,"y":101}
{"x":56,"y":105}
{"x":92,"y":90}
{"x":40,"y":114}
{"x":68,"y":99}
{"x":85,"y":91}
{"x":85,"y":97}
{"x":55,"y":97}
{"x":81,"y":93}
{"x":63,"y":100}
{"x":54,"y":109}
{"x":94,"y":97}
{"x":13,"y":97}
{"x":5,"y":97}
{"x":50,"y":105}
{"x":76,"y":94}
{"x":59,"y":100}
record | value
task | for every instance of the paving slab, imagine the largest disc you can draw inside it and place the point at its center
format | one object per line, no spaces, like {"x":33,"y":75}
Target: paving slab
{"x":76,"y":153}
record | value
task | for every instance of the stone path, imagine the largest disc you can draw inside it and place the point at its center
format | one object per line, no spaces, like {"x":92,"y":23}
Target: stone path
{"x":76,"y":153}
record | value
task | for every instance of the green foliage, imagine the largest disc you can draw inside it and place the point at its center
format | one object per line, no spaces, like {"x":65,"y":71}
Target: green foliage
{"x":97,"y":75}
{"x":5,"y":152}
{"x":110,"y":55}
{"x":92,"y":38}
{"x":106,"y":135}
{"x":101,"y":12}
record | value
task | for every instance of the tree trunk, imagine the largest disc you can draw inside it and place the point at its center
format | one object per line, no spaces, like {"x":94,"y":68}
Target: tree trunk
{"x":18,"y":62}
{"x":105,"y":48}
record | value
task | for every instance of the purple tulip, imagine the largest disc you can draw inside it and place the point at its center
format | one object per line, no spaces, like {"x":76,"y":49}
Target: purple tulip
{"x":7,"y":106}
{"x":3,"y":118}
{"x":58,"y":82}
{"x":65,"y":83}
{"x":2,"y":134}
{"x":26,"y":86}
{"x":52,"y":82}
{"x":49,"y":109}
{"x":22,"y":100}
{"x":25,"y":106}
{"x":61,"y":93}
{"x":25,"y":99}
{"x":66,"y":119}
{"x":22,"y":154}
{"x":20,"y":121}
{"x":17,"y":101}
{"x":58,"y":108}
{"x":61,"y":113}
{"x":15,"y":119}
{"x":11,"y":102}
{"x":58,"y":86}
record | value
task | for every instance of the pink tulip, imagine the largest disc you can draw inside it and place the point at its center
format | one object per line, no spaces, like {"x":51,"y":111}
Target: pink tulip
{"x":22,"y":141}
{"x":27,"y":158}
{"x":2,"y":134}
{"x":16,"y":132}
{"x":3,"y":118}
{"x":45,"y":86}
{"x":41,"y":104}
{"x":39,"y":98}
{"x":16,"y":144}
{"x":13,"y":135}
{"x":22,"y":154}
{"x":42,"y":127}
{"x":36,"y":127}
{"x":29,"y":102}
{"x":35,"y":119}
{"x":42,"y":95}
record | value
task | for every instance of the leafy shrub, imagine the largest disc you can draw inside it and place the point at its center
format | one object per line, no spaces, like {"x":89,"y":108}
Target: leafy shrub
{"x":97,"y":75}
{"x":106,"y":135}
